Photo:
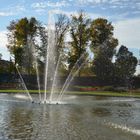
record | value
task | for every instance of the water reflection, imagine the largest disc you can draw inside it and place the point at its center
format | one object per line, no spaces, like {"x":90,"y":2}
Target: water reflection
{"x":78,"y":121}
{"x":120,"y":104}
{"x":125,"y":114}
{"x":101,"y":112}
{"x":20,"y":123}
{"x":100,"y":97}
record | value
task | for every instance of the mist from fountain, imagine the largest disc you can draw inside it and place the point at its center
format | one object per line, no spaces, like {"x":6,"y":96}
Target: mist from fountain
{"x":71,"y":76}
{"x":51,"y":67}
{"x":54,"y":84}
{"x":38,"y":81}
{"x":24,"y":85}
{"x":35,"y":62}
{"x":69,"y":81}
{"x":50,"y":54}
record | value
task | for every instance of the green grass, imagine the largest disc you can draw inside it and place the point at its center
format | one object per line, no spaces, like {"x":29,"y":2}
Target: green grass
{"x":106,"y":93}
{"x":99,"y":93}
{"x":19,"y":91}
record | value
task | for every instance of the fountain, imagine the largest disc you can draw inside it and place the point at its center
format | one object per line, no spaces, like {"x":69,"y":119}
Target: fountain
{"x":93,"y":117}
{"x":51,"y":68}
{"x":24,"y":85}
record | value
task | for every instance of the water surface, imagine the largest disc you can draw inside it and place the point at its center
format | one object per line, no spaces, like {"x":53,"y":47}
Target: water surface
{"x":79,"y":118}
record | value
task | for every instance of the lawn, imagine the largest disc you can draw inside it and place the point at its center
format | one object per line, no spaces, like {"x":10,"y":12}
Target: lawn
{"x":95,"y":93}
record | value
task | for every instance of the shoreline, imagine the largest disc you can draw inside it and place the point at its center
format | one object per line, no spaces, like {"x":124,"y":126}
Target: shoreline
{"x":81,"y":93}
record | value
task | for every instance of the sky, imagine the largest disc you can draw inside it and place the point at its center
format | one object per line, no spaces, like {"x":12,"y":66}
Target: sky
{"x":124,"y":15}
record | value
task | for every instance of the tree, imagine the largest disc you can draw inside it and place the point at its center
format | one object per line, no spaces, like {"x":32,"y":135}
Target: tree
{"x":125,"y":65}
{"x":103,"y":69}
{"x":26,"y":31}
{"x":21,"y":33}
{"x":80,"y":37}
{"x":61,"y":28}
{"x":42,"y":48}
{"x":0,"y":56}
{"x":103,"y":46}
{"x":12,"y":40}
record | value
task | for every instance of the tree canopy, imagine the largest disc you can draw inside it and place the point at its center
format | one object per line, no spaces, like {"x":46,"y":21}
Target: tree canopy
{"x":103,"y":46}
{"x":86,"y":36}
{"x":21,"y":34}
{"x":125,"y":65}
{"x":79,"y":31}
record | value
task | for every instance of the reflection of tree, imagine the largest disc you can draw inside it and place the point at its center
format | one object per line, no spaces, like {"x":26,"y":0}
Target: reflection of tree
{"x":125,"y":66}
{"x":79,"y":32}
{"x":20,"y":124}
{"x":124,"y":104}
{"x":124,"y":114}
{"x":0,"y":56}
{"x":100,"y":97}
{"x":101,"y":112}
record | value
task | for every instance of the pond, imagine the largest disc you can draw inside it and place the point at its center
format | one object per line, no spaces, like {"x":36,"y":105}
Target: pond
{"x":78,"y":118}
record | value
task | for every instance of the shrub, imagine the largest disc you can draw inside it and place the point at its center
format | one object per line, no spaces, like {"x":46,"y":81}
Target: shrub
{"x":107,"y":88}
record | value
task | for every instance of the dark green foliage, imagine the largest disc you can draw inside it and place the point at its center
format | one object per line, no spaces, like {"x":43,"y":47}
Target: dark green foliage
{"x":79,"y":32}
{"x":103,"y":45}
{"x":96,"y":34}
{"x":61,"y":28}
{"x":103,"y":69}
{"x":0,"y":56}
{"x":41,"y":49}
{"x":22,"y":40}
{"x":125,"y":65}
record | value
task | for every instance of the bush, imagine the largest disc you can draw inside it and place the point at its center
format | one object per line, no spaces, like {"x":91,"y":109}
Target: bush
{"x":120,"y":89}
{"x":107,"y":88}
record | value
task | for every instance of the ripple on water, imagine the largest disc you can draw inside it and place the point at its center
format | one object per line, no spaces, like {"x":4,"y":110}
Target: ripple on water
{"x":81,"y":120}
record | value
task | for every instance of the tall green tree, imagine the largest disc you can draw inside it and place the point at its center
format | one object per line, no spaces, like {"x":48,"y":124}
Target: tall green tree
{"x":41,"y":47}
{"x":0,"y":56}
{"x":12,"y":45}
{"x":79,"y":32}
{"x":61,"y":29}
{"x":103,"y":46}
{"x":20,"y":34}
{"x":125,"y":65}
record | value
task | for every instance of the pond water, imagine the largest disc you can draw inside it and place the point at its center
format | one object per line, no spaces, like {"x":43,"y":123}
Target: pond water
{"x":78,"y":118}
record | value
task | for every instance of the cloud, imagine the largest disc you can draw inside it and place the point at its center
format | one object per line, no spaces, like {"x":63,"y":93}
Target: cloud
{"x":12,"y":10}
{"x":118,"y":9}
{"x":57,"y":4}
{"x":110,"y":4}
{"x":92,"y":1}
{"x":42,"y":7}
{"x":89,"y":1}
{"x":38,"y":6}
{"x":95,"y":2}
{"x":105,"y":3}
{"x":3,"y":42}
{"x":6,"y":14}
{"x":128,"y":32}
{"x":70,"y":13}
{"x":96,"y":15}
{"x":3,"y":38}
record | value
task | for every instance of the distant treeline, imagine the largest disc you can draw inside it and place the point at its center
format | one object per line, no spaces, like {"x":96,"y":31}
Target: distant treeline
{"x":75,"y":36}
{"x":92,"y":81}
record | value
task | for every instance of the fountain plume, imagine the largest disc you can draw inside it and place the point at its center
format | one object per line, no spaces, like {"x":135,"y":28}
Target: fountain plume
{"x":50,"y":54}
{"x":24,"y":85}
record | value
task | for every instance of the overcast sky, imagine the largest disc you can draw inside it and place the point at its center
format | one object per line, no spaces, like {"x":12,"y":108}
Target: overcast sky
{"x":124,"y":15}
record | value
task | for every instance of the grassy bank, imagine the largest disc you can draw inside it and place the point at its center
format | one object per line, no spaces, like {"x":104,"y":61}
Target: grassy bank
{"x":98,"y":93}
{"x":19,"y":91}
{"x":107,"y":93}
